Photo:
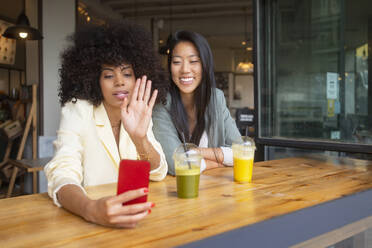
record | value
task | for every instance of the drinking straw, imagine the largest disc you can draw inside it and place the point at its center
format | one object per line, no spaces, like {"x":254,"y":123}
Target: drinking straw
{"x":185,"y":148}
{"x":246,"y":133}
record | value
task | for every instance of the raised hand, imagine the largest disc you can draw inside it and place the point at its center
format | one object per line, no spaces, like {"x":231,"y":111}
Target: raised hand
{"x":136,"y":112}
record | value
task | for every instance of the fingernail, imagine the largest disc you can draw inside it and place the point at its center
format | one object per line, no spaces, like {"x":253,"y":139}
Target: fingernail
{"x":149,"y":211}
{"x":145,"y":190}
{"x":152,"y":205}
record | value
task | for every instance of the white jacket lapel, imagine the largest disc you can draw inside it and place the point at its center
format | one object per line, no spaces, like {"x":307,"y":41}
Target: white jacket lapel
{"x":105,"y":134}
{"x":126,"y":146}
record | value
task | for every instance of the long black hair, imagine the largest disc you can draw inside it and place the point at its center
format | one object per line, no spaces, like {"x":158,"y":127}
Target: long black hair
{"x":204,"y":93}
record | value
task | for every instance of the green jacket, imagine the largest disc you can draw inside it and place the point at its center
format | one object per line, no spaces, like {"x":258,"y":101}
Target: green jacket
{"x":223,"y":129}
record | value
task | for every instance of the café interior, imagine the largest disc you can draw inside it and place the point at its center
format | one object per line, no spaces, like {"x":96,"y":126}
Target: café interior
{"x":297,"y":79}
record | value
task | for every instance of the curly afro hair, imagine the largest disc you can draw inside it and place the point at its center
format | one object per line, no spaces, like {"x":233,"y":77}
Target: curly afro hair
{"x":112,"y":44}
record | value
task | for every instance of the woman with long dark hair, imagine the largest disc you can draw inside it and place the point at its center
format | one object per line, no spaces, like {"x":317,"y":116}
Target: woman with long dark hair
{"x":194,"y":109}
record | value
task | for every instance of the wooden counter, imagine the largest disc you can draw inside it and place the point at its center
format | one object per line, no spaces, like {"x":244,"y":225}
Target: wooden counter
{"x":223,"y":207}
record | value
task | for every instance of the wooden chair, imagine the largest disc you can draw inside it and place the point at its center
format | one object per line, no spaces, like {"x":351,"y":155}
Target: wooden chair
{"x":10,"y":130}
{"x":30,"y":123}
{"x":30,"y":166}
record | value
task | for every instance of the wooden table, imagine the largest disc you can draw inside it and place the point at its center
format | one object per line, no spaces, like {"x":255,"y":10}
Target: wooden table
{"x":283,"y":194}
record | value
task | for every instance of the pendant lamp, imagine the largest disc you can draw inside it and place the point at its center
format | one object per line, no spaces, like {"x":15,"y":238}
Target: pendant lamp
{"x":22,"y":30}
{"x":164,"y":50}
{"x":245,"y":66}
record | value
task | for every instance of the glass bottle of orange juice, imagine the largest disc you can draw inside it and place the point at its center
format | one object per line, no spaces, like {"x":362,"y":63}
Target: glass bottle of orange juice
{"x":243,"y":154}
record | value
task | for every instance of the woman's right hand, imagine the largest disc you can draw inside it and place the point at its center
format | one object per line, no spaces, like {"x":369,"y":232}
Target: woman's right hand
{"x":110,"y":211}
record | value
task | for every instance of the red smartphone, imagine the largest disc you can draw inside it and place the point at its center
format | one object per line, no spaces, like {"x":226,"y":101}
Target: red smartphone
{"x":133,"y":174}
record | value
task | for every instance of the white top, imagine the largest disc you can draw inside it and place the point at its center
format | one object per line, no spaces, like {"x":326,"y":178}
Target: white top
{"x":227,"y":152}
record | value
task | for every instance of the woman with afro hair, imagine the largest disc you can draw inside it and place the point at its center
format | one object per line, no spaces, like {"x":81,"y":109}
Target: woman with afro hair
{"x":110,"y":79}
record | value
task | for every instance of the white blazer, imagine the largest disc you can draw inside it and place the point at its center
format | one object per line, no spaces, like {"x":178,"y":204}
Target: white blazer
{"x":86,"y":153}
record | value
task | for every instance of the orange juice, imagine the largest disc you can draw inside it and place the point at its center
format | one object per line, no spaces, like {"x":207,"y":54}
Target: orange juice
{"x":243,"y":168}
{"x":243,"y":154}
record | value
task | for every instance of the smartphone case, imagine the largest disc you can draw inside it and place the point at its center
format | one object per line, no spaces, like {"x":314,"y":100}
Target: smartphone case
{"x":133,"y":174}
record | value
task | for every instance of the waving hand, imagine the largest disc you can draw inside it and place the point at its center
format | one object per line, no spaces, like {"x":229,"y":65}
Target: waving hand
{"x":136,"y":112}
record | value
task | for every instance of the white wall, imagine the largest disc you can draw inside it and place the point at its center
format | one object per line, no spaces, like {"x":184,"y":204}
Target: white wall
{"x":58,"y":22}
{"x":244,"y":85}
{"x":32,"y":46}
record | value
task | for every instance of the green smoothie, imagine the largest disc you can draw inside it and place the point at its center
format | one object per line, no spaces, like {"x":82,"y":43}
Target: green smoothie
{"x":187,"y":181}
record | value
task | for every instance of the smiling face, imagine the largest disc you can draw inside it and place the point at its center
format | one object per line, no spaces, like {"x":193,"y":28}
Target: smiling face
{"x":116,"y":83}
{"x":186,"y":67}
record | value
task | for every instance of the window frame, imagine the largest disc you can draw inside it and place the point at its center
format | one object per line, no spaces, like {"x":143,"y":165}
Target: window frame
{"x":260,"y":29}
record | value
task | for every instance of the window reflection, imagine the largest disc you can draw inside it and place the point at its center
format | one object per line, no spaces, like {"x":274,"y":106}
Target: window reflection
{"x":317,"y":85}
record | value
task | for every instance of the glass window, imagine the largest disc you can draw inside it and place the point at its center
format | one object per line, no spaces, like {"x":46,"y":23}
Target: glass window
{"x":317,"y":71}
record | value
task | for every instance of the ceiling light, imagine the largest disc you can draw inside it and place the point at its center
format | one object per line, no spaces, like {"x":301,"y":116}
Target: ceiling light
{"x":23,"y":35}
{"x":22,"y":30}
{"x":245,"y":67}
